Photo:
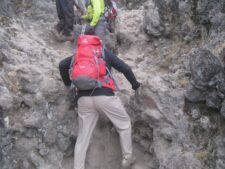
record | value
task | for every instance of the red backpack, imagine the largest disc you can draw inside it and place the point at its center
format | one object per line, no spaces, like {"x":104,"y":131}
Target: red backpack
{"x":89,"y":69}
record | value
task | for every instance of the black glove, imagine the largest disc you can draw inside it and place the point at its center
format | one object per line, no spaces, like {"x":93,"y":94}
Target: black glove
{"x":90,"y":30}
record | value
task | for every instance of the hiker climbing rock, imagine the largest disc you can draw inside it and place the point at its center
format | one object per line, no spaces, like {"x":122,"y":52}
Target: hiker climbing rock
{"x":90,"y":73}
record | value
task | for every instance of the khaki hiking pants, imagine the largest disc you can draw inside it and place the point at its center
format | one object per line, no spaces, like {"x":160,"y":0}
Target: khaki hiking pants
{"x":88,"y":113}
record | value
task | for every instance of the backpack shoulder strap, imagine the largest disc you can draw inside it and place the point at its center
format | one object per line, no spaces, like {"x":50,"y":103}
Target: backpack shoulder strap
{"x":103,"y":53}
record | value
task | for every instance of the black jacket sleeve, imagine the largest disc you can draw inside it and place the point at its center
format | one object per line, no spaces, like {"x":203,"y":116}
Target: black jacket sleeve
{"x":115,"y":62}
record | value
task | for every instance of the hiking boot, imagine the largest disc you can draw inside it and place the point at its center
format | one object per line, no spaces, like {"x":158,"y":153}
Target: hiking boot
{"x":127,"y":162}
{"x":66,"y":37}
{"x":56,"y":30}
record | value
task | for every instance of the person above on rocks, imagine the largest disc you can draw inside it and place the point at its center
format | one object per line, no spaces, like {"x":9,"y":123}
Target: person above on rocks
{"x":100,"y":98}
{"x":97,"y":23}
{"x":64,"y":28}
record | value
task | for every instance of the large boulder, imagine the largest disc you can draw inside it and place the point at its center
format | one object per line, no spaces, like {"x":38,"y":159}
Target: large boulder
{"x":160,"y":125}
{"x":207,"y":76}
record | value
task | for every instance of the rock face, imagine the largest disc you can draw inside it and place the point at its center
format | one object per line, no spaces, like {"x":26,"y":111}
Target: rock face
{"x":205,"y":101}
{"x":207,"y":77}
{"x":176,"y":50}
{"x":184,"y":19}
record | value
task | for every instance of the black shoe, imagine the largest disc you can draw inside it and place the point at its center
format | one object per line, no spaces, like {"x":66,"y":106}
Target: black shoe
{"x":128,"y":162}
{"x":66,"y":37}
{"x":56,"y":31}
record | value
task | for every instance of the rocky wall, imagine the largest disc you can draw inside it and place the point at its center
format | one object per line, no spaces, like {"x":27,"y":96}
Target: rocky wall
{"x":177,"y":114}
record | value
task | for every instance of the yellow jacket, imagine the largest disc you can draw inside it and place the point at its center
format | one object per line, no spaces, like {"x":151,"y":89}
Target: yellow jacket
{"x":94,"y":11}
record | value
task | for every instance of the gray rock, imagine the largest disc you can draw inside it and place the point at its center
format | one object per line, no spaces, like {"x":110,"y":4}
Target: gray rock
{"x":36,"y":160}
{"x":26,"y":164}
{"x":134,"y":4}
{"x":168,"y":133}
{"x":220,"y":164}
{"x":43,"y":149}
{"x":50,"y":135}
{"x":206,"y":69}
{"x":195,"y":113}
{"x":195,"y":95}
{"x":222,"y":110}
{"x":207,"y":76}
{"x":204,"y":123}
{"x":5,"y":8}
{"x":29,"y":78}
{"x":6,"y":98}
{"x":63,"y":142}
{"x":153,"y":116}
{"x":213,"y":100}
{"x":153,"y":24}
{"x":34,"y":120}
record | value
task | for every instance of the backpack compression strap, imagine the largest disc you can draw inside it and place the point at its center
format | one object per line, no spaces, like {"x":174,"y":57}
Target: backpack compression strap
{"x":109,"y":73}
